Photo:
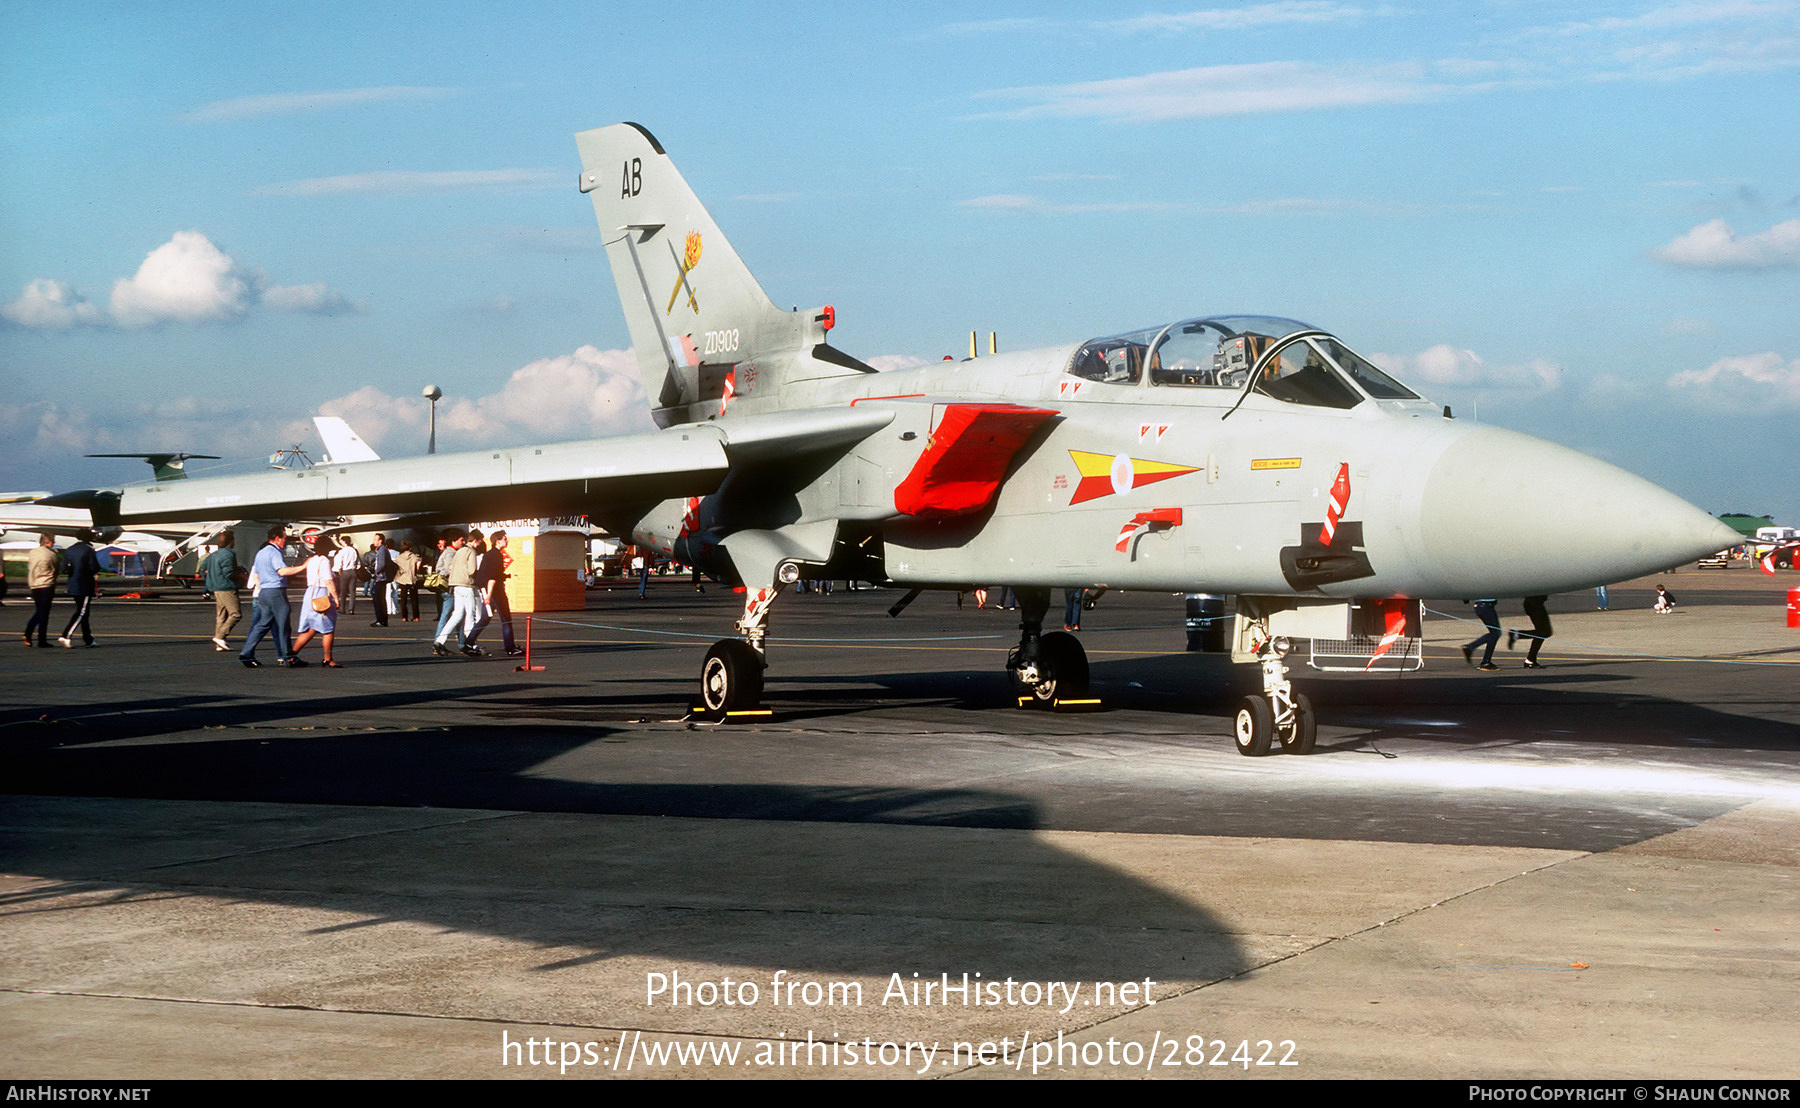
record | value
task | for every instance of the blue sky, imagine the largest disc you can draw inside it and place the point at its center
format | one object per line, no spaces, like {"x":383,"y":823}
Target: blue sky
{"x":1579,"y":221}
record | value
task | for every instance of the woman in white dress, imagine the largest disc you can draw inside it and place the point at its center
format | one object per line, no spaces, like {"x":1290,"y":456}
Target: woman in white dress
{"x":316,"y":618}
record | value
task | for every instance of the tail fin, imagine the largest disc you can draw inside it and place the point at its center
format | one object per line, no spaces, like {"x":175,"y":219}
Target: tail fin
{"x":693,"y":308}
{"x":168,"y":467}
{"x":341,"y":443}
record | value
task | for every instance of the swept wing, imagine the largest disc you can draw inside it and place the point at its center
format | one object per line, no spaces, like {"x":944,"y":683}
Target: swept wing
{"x":554,"y":479}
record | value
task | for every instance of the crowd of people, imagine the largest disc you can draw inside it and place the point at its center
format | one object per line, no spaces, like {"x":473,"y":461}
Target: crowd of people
{"x":468,"y":577}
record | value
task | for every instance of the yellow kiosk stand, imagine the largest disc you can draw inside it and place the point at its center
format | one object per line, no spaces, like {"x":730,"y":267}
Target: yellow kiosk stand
{"x":545,"y":559}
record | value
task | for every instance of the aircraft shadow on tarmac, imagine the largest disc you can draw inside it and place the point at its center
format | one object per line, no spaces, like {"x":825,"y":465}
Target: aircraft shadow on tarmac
{"x":917,"y":900}
{"x":1008,"y":906}
{"x":243,"y":752}
{"x":532,"y":718}
{"x":1517,"y":707}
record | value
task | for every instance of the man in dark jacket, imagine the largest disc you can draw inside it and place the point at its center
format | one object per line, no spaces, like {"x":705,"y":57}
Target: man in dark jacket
{"x":491,"y":580}
{"x":83,"y":567}
{"x":380,"y":561}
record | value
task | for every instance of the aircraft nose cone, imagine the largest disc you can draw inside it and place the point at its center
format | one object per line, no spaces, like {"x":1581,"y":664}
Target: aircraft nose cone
{"x":1504,"y":514}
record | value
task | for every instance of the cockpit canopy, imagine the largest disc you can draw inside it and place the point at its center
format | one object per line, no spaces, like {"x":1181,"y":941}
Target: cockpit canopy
{"x":1289,"y":361}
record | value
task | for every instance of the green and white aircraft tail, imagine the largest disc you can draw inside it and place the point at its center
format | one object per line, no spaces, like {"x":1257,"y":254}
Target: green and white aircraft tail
{"x":703,"y":329}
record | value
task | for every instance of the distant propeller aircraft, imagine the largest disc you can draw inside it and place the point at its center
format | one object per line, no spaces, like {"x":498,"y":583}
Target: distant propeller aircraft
{"x":1247,"y":455}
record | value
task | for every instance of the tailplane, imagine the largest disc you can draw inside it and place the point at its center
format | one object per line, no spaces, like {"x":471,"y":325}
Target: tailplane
{"x":695,"y":313}
{"x":168,"y":467}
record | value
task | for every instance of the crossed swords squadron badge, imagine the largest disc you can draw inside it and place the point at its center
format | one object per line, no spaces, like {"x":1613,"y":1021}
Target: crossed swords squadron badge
{"x":685,"y":263}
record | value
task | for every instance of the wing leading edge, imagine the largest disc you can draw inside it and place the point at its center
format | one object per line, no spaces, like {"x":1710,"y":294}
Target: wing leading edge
{"x":570,"y":478}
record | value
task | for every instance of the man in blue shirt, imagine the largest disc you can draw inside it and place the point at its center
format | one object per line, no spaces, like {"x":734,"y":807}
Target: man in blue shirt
{"x":269,"y":612}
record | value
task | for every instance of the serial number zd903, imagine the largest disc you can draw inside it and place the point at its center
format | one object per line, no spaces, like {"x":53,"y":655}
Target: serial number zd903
{"x":721,"y":342}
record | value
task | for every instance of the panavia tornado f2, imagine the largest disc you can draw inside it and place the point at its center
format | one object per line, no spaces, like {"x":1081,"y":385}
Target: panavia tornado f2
{"x":1225,"y":454}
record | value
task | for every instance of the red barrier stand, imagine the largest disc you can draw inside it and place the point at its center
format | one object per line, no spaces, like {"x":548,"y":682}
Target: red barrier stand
{"x":528,"y":667}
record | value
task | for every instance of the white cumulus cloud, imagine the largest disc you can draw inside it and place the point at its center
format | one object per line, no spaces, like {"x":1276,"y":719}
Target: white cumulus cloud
{"x":42,"y":431}
{"x":314,"y":298}
{"x":1745,"y":382}
{"x":47,"y":305}
{"x":884,"y":363}
{"x":1714,"y":245}
{"x":589,"y":393}
{"x":1444,"y":364}
{"x":185,"y":280}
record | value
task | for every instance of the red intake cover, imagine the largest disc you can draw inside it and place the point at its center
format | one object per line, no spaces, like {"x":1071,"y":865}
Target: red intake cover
{"x":966,"y":459}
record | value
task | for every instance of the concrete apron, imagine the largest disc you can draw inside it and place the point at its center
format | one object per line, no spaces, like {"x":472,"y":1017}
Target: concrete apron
{"x":165,"y":939}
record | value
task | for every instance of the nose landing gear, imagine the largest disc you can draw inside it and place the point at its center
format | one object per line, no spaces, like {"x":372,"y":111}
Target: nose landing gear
{"x":1279,"y":714}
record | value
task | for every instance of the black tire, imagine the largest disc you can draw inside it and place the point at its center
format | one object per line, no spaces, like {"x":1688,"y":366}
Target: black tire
{"x":1020,"y":689}
{"x":731,"y":678}
{"x":1254,"y":726}
{"x":1062,"y":670}
{"x":1062,"y":655}
{"x":1306,"y":728}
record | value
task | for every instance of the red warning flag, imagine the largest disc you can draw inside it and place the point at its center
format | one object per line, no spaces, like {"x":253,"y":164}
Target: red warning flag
{"x":1393,"y":619}
{"x":1340,"y":499}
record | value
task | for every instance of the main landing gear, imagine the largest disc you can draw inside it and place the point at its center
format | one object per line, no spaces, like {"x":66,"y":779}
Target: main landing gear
{"x":1045,"y":669}
{"x":1279,"y":713}
{"x":731,"y":678}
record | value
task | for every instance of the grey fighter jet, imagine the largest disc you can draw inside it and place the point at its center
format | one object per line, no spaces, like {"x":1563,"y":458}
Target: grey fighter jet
{"x":1248,"y":455}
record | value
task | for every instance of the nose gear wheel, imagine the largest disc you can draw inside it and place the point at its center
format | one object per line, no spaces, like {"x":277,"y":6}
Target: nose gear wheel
{"x":1254,"y":726}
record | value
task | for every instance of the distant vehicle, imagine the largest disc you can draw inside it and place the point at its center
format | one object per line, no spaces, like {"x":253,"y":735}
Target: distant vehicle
{"x":1721,"y":560}
{"x":1778,"y":542}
